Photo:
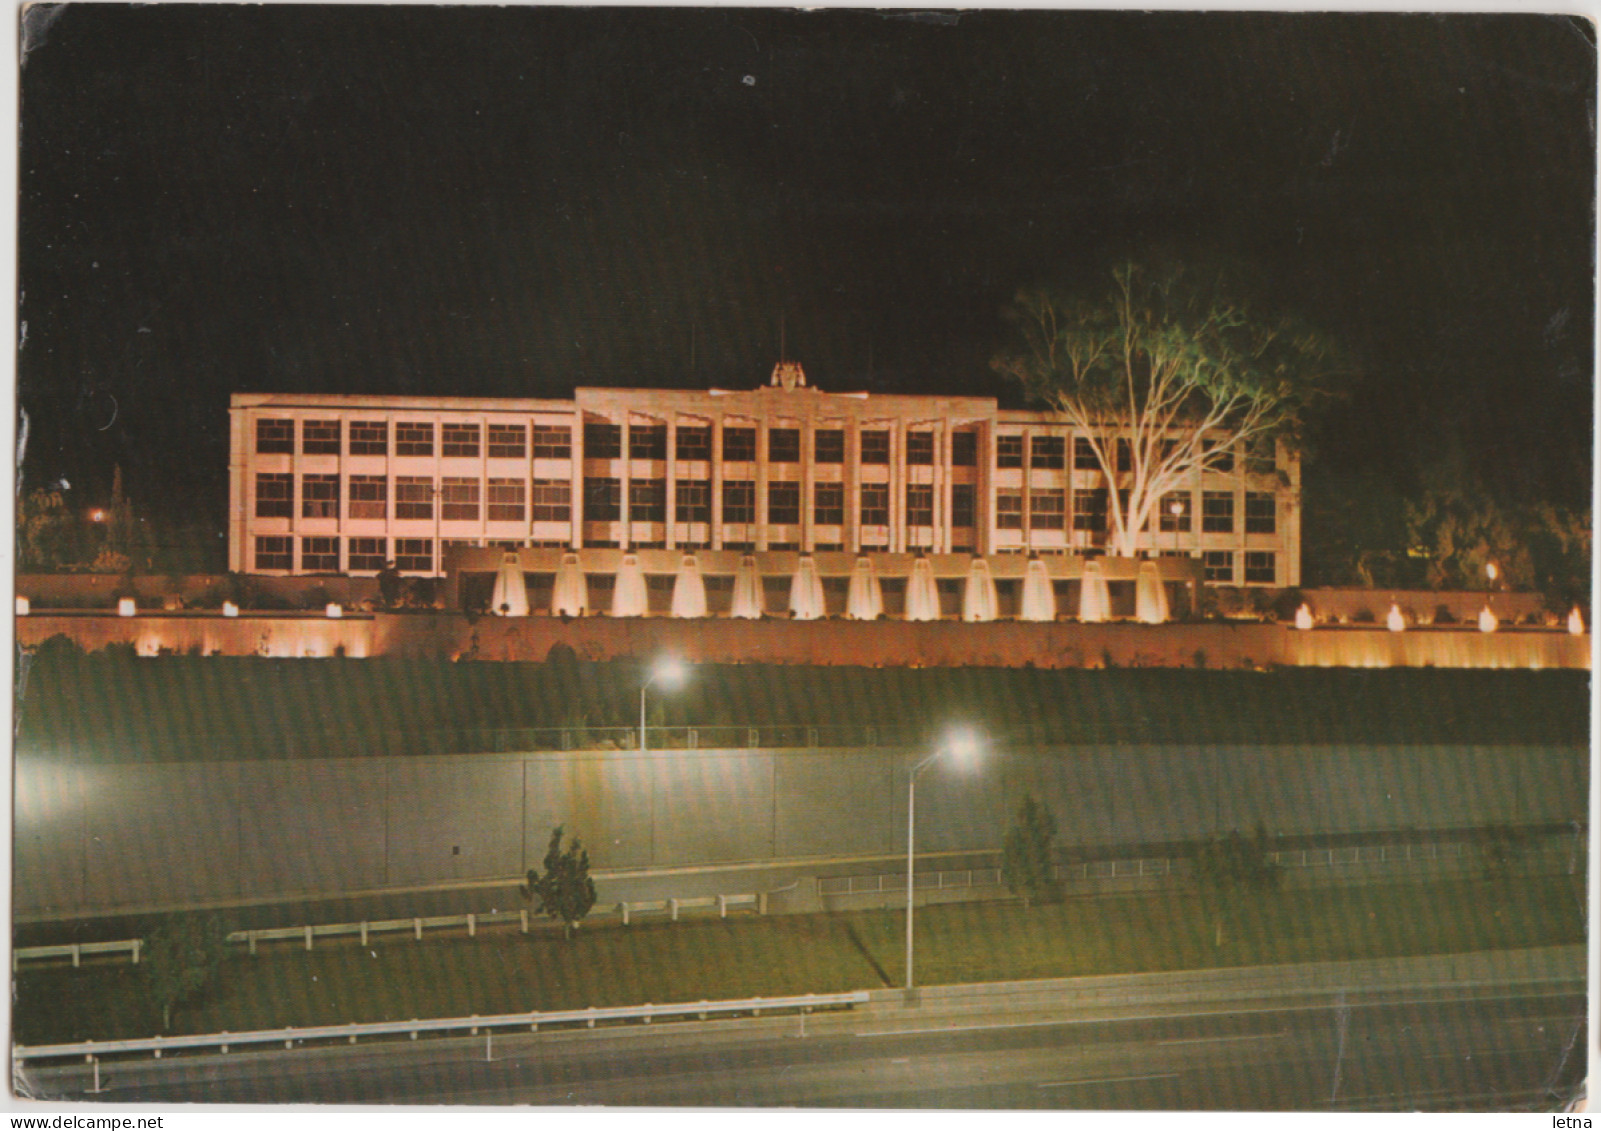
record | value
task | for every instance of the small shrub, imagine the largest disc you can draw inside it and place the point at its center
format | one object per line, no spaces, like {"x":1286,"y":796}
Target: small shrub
{"x":1362,"y":616}
{"x":1199,"y":659}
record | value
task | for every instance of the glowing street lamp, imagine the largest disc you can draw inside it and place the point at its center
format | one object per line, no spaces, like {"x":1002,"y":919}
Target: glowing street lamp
{"x":670,"y":672}
{"x":962,"y":747}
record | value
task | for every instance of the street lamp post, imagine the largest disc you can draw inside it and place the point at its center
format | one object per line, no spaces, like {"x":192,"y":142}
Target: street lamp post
{"x":669,"y":671}
{"x":961,"y":745}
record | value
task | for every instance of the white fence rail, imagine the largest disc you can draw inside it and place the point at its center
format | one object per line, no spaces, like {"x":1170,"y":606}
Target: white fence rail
{"x":414,"y":926}
{"x":702,"y":1010}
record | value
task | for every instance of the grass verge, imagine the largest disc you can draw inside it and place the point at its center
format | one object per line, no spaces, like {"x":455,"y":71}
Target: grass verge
{"x":507,"y":972}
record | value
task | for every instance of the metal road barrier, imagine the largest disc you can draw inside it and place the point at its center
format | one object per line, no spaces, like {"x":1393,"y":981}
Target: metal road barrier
{"x":76,"y":951}
{"x":93,"y":1050}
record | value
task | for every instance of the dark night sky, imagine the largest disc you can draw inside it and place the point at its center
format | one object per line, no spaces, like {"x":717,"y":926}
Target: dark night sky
{"x":514,"y":202}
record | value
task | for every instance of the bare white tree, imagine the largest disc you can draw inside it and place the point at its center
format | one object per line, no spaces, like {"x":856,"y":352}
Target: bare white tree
{"x":1165,"y":377}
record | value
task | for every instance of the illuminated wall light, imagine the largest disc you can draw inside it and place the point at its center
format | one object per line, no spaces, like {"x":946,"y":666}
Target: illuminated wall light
{"x":229,"y":609}
{"x":127,"y":608}
{"x":334,"y":612}
{"x":23,"y":608}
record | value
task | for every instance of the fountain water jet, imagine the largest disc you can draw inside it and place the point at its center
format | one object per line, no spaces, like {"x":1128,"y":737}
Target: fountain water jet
{"x":922,"y":595}
{"x":569,"y":596}
{"x":1094,"y":601}
{"x":1150,"y":595}
{"x":510,"y":595}
{"x":1039,"y":596}
{"x":1303,"y":617}
{"x":806,"y":591}
{"x":689,"y":589}
{"x":978,"y":599}
{"x":865,"y":599}
{"x":1488,"y":621}
{"x":628,"y":595}
{"x":1393,"y":620}
{"x":747,"y":591}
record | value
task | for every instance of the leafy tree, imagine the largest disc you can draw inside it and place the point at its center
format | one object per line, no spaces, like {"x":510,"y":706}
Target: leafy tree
{"x":1026,"y":863}
{"x":565,"y":891}
{"x":52,"y":538}
{"x":1228,"y":871}
{"x":390,"y":585}
{"x":180,"y":959}
{"x":1172,"y":370}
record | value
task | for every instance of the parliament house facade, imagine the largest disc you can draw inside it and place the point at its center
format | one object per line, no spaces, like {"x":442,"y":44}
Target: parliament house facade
{"x":333,"y":484}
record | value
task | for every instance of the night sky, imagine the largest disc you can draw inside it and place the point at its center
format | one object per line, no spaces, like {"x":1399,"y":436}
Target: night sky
{"x":513,"y":202}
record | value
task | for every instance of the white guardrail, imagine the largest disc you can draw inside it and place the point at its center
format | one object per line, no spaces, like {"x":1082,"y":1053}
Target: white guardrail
{"x":413,"y":926}
{"x":92,"y":1050}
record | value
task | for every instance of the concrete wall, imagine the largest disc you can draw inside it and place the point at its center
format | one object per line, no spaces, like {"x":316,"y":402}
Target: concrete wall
{"x":868,"y":643}
{"x":103,"y":837}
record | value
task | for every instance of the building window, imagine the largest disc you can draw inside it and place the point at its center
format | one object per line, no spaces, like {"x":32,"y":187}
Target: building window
{"x":1261,"y":456}
{"x":414,"y":555}
{"x":875,"y":447}
{"x":963,"y":504}
{"x":603,"y":499}
{"x":828,"y":504}
{"x":319,"y":437}
{"x":647,"y":499}
{"x":964,"y":449}
{"x":1219,"y":456}
{"x":368,"y":554}
{"x":919,"y":504}
{"x":875,"y":504}
{"x":553,"y":441}
{"x":1219,"y":565}
{"x":506,"y":500}
{"x":319,"y":555}
{"x":694,"y":499}
{"x":739,"y":500}
{"x":275,"y":552}
{"x":920,"y":448}
{"x":1261,"y":567}
{"x":783,"y":504}
{"x":458,"y":499}
{"x":414,"y":439}
{"x":830,"y":445}
{"x":1217,"y":512}
{"x":369,"y":496}
{"x":369,"y":438}
{"x":1125,"y":455}
{"x":1009,"y":451}
{"x":508,"y":441}
{"x":1175,"y":513}
{"x":1048,"y":452}
{"x":458,"y":439}
{"x":1048,"y":509}
{"x":603,"y":441}
{"x":275,"y":495}
{"x":414,"y":497}
{"x":783,"y":445}
{"x":275,"y":437}
{"x":1009,"y":509}
{"x":647,"y":441}
{"x":553,"y":500}
{"x":319,"y":496}
{"x":1084,"y":457}
{"x":739,"y":445}
{"x":1089,"y":510}
{"x":694,"y":443}
{"x":1261,"y":514}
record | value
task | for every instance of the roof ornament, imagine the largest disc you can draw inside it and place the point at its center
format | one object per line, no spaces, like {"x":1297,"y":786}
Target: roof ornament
{"x":788,"y":375}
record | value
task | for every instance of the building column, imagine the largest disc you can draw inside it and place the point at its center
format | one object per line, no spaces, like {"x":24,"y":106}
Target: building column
{"x":624,"y":482}
{"x":1028,"y":492}
{"x":578,"y":481}
{"x":717,"y":482}
{"x":670,"y":503}
{"x":762,"y":428}
{"x":808,"y":469}
{"x":984,"y":490}
{"x":897,"y":486}
{"x":942,"y":486}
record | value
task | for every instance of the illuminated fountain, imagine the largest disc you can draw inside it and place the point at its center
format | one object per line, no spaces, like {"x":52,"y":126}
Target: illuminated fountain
{"x":229,"y":609}
{"x":1488,"y":621}
{"x":333,"y":611}
{"x":922,"y":594}
{"x":1576,"y":622}
{"x":23,"y":607}
{"x":1393,"y":620}
{"x":747,"y":590}
{"x":569,"y":596}
{"x":1150,"y":596}
{"x":1039,"y":596}
{"x":806,"y":591}
{"x":1303,"y":617}
{"x":126,"y":607}
{"x":689,"y":589}
{"x":1094,"y":602}
{"x":628,"y":594}
{"x":978,"y":599}
{"x":865,"y":599}
{"x":510,"y":596}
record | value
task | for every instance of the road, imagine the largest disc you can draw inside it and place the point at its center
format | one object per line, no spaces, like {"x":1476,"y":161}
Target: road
{"x":1484,"y":1048}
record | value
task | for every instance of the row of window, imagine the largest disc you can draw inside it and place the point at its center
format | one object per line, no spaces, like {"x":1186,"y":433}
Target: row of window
{"x":321,"y":554}
{"x":649,"y":442}
{"x":459,"y":500}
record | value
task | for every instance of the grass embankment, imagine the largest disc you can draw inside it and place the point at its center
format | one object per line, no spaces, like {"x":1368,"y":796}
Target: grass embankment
{"x":507,"y":972}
